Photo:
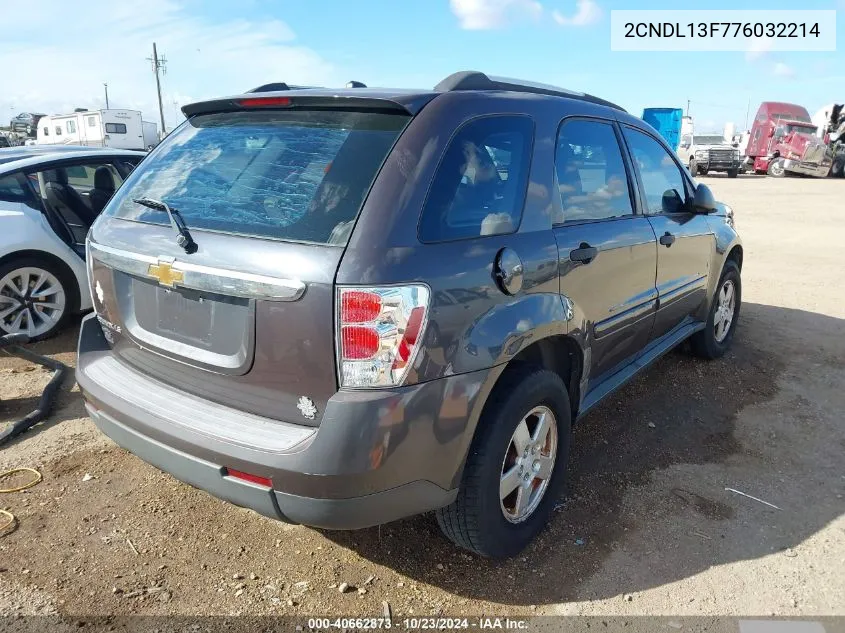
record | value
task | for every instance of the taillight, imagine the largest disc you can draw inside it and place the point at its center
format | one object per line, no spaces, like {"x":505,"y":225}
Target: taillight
{"x":380,"y":332}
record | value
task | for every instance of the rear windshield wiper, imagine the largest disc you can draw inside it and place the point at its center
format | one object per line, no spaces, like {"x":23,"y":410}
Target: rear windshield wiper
{"x":176,"y":221}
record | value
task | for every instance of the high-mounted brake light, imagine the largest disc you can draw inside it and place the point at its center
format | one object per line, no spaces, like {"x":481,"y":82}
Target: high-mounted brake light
{"x":264,"y":102}
{"x":380,"y":333}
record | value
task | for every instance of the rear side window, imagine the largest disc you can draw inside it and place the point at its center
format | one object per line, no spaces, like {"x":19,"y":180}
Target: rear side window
{"x":293,"y":175}
{"x":479,"y":188}
{"x":115,"y":128}
{"x":591,"y":174}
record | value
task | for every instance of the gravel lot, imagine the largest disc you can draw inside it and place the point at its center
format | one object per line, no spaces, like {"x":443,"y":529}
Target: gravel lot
{"x":648,"y":526}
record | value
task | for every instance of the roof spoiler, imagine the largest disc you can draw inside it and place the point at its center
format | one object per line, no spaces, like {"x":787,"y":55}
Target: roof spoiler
{"x":474,"y":80}
{"x":308,"y":100}
{"x":277,"y":86}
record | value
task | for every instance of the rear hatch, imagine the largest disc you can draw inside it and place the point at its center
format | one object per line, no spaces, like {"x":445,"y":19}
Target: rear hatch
{"x":269,"y":195}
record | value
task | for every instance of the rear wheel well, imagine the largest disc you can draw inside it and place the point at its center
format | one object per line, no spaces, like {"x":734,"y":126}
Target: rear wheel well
{"x":560,"y":354}
{"x":73,"y":289}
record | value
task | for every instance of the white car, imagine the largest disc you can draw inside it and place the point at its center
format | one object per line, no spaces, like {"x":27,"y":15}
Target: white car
{"x":48,"y":200}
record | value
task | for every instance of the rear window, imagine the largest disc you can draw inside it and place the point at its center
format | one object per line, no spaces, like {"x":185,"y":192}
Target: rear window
{"x":115,"y":128}
{"x":290,"y":175}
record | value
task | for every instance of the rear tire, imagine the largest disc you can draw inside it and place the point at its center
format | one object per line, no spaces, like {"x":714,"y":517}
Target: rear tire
{"x":480,"y":520}
{"x":56,"y":297}
{"x":837,"y":169}
{"x":712,"y":342}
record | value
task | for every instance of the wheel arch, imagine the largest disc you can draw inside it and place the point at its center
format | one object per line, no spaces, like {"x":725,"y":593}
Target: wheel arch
{"x":559,"y":353}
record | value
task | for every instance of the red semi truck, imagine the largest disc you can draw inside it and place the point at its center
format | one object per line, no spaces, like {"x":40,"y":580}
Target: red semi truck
{"x":783,"y":140}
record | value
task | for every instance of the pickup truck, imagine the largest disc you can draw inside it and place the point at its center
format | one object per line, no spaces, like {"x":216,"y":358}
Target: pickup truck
{"x":704,"y":153}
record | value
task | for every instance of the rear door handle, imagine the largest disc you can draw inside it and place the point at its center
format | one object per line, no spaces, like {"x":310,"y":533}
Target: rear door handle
{"x":667,"y":239}
{"x":584,"y":253}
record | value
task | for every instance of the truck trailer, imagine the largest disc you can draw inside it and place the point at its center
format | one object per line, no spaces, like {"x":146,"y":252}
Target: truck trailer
{"x":119,"y":129}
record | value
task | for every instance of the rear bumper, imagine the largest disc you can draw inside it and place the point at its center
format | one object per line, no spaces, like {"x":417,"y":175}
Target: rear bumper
{"x":376,"y":457}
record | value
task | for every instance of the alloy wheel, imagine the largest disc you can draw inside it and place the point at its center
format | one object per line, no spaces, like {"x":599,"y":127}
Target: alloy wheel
{"x":528,"y":464}
{"x":32,"y":301}
{"x":725,"y":310}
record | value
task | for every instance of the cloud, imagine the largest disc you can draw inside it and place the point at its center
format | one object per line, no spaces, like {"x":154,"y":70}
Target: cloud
{"x":758,"y":49}
{"x":478,"y":15}
{"x":587,"y":12}
{"x":782,"y":70}
{"x":205,"y":58}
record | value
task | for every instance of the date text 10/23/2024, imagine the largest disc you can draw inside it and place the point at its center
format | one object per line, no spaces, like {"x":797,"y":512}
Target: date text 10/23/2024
{"x":723,"y":30}
{"x":421,"y":623}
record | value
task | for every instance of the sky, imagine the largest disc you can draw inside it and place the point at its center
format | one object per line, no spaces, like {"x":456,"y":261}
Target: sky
{"x":57,"y":54}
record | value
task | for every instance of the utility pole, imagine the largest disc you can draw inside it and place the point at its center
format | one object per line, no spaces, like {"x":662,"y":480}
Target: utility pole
{"x":687,"y":107}
{"x":159,"y":64}
{"x":747,"y":112}
{"x":106,"y":86}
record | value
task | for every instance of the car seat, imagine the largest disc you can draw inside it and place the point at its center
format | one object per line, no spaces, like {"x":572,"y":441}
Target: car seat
{"x":103,"y":189}
{"x":65,"y":201}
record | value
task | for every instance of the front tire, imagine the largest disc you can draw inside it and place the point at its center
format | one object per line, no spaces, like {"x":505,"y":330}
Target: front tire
{"x":716,"y":337}
{"x":837,"y":169}
{"x":776,"y":168}
{"x":37,"y":297}
{"x":516,"y":466}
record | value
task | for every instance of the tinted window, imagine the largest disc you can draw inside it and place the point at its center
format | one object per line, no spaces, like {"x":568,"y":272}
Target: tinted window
{"x":293,"y":175}
{"x":59,"y":130}
{"x":11,"y":189}
{"x":71,"y":127}
{"x":46,"y":131}
{"x":479,"y":188}
{"x":663,"y":183}
{"x":81,"y":177}
{"x":115,"y":128}
{"x":591,"y":175}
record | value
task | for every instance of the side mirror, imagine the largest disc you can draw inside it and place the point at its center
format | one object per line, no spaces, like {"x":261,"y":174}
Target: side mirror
{"x":703,"y":200}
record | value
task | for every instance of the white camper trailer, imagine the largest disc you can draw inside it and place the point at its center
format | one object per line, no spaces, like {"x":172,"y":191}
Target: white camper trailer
{"x":120,"y":129}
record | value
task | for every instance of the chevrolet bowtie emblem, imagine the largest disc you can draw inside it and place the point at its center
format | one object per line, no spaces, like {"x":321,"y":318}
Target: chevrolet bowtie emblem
{"x":166,"y":274}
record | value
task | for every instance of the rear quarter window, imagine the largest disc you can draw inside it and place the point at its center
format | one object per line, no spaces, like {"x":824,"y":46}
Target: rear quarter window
{"x":292,"y":175}
{"x":479,"y":187}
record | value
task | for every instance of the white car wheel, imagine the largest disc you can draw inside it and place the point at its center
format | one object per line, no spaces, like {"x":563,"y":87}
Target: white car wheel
{"x":33,"y":301}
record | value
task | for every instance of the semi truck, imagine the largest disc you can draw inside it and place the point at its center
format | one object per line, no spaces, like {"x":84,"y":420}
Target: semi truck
{"x":784,"y":140}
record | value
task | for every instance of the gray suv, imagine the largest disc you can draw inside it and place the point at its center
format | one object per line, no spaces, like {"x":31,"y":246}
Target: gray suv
{"x":344,"y":307}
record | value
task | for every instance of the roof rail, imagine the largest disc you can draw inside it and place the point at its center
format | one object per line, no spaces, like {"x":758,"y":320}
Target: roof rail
{"x":474,"y":80}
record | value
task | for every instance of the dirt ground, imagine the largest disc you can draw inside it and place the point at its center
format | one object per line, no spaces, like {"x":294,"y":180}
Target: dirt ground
{"x":648,"y":526}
